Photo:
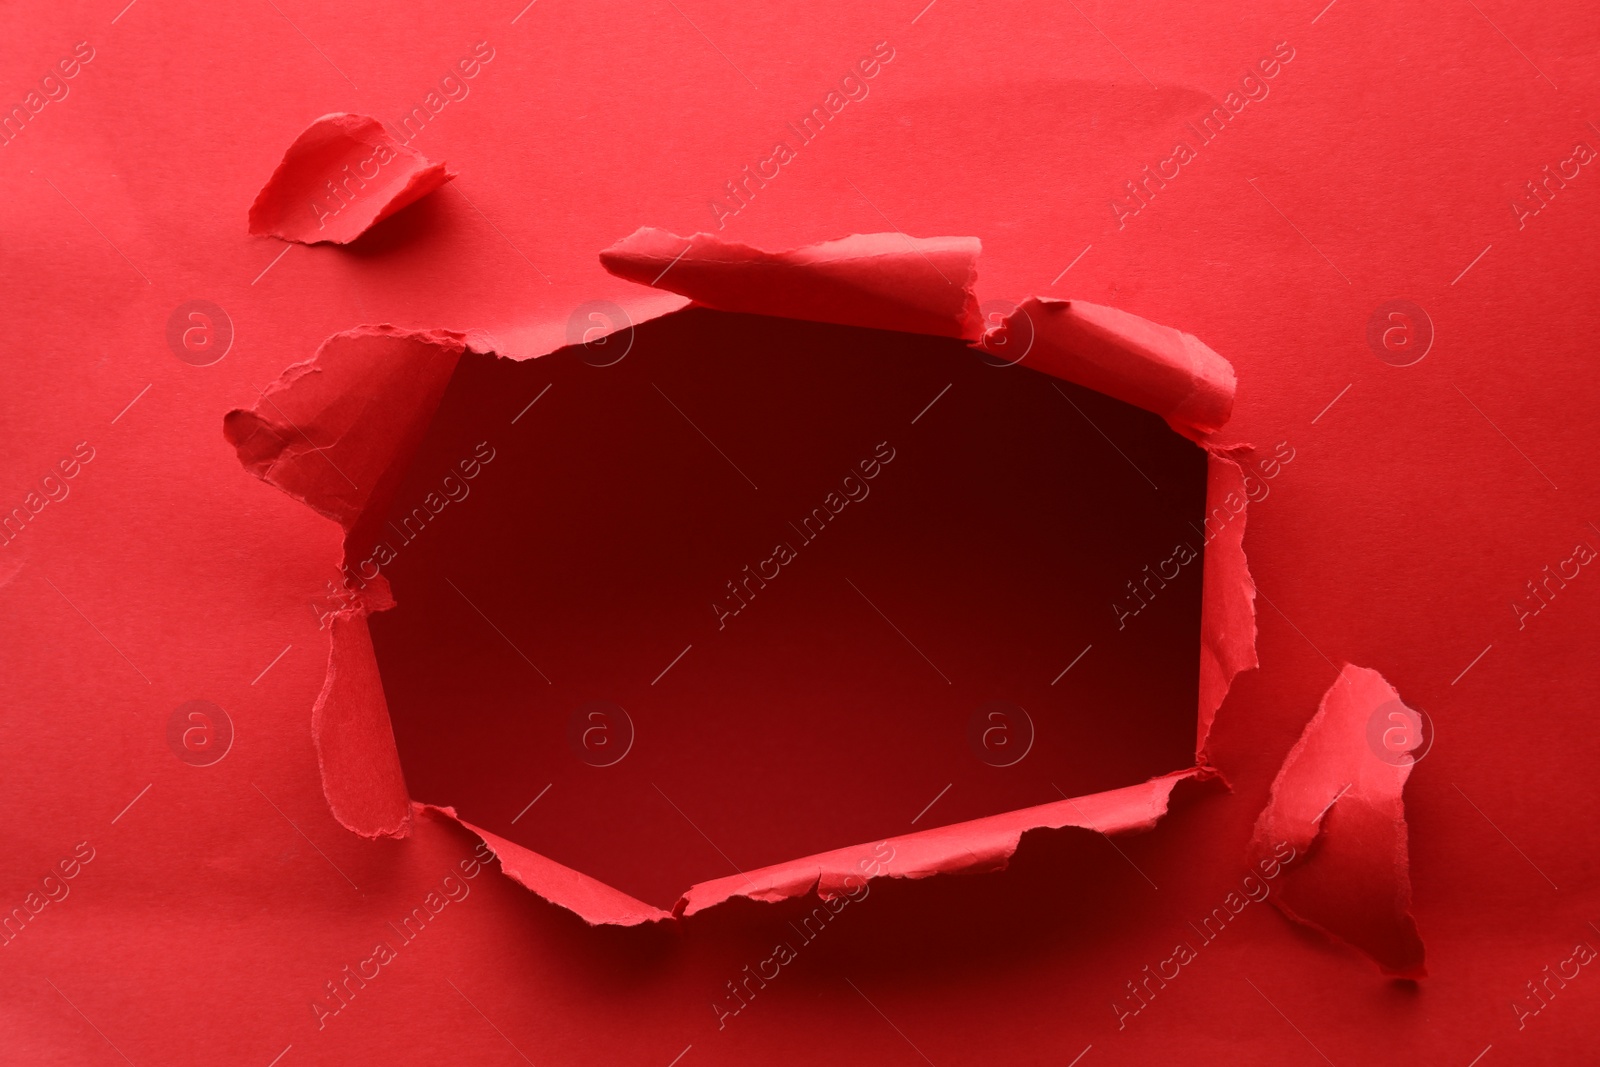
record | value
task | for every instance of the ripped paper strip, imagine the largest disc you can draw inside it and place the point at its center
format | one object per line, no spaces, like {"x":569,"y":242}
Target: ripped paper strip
{"x":1228,"y":599}
{"x":963,"y":848}
{"x":1338,"y":801}
{"x":985,"y":844}
{"x":588,"y":898}
{"x":882,"y":281}
{"x":315,"y":434}
{"x":343,"y":175}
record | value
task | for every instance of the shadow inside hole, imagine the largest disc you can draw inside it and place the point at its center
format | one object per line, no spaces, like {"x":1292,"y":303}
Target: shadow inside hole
{"x":925,"y":535}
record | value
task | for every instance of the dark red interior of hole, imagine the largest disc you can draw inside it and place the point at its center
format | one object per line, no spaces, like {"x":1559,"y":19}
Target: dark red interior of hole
{"x":974,"y":566}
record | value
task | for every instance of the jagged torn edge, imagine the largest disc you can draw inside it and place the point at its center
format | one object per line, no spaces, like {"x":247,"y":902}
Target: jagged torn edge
{"x":307,"y":436}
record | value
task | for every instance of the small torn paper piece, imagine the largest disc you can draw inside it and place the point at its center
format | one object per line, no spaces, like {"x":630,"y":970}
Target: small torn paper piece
{"x":342,"y":176}
{"x":1337,"y":800}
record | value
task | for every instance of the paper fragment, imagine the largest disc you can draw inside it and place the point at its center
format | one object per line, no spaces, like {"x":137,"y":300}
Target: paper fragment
{"x":343,"y":175}
{"x":882,"y":281}
{"x":1133,"y":359}
{"x":1338,"y":801}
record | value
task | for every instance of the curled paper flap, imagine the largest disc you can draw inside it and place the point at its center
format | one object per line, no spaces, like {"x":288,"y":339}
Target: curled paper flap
{"x":343,"y":175}
{"x":361,"y":775}
{"x":1133,"y":359}
{"x":1337,"y":800}
{"x":985,"y":844}
{"x":883,"y":281}
{"x":588,"y":898}
{"x":1228,"y":603}
{"x":337,"y":430}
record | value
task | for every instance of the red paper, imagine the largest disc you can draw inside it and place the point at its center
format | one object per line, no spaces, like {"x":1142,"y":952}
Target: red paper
{"x":1381,"y":218}
{"x":887,"y":281}
{"x":1158,"y":368}
{"x":342,"y":176}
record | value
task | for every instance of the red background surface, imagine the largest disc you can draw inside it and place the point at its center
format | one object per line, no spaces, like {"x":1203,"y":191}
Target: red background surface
{"x":1381,"y":165}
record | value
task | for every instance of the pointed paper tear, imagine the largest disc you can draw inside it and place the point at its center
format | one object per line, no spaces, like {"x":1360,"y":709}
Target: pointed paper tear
{"x":1133,"y":359}
{"x":985,"y":844}
{"x":1338,"y":801}
{"x":882,"y":281}
{"x":588,"y":898}
{"x":343,"y":175}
